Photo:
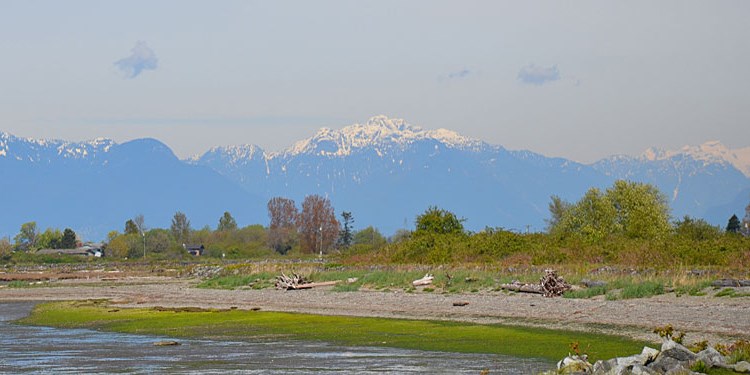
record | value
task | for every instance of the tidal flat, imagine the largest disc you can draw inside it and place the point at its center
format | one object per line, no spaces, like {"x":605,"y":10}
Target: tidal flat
{"x":248,"y":325}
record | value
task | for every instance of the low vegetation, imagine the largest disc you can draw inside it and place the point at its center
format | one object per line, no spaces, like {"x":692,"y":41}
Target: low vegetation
{"x":258,"y":325}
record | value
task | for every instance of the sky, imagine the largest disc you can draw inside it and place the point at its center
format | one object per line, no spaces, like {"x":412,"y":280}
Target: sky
{"x":577,"y":79}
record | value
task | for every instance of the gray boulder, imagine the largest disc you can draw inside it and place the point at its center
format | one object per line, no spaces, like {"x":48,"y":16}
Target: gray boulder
{"x":673,"y":356}
{"x":742,"y":367}
{"x":642,"y":370}
{"x":680,"y":370}
{"x":712,"y":357}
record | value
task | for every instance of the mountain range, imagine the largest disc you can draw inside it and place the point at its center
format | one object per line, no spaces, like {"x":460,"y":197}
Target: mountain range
{"x":385,"y":171}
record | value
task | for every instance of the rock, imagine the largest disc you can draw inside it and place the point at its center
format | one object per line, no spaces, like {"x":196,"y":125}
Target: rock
{"x":604,"y":367}
{"x":673,"y":356}
{"x":631,"y":361}
{"x":593,"y":283}
{"x":574,"y":364}
{"x":742,"y":367}
{"x":680,"y":370}
{"x":641,"y":370}
{"x":711,"y":357}
{"x":649,"y":354}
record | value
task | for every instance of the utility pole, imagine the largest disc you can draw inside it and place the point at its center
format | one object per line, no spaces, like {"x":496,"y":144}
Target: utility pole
{"x":144,"y":244}
{"x":320,"y":240}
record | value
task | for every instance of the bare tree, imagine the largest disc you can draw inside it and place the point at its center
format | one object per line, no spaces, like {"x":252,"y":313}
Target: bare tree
{"x":317,"y":224}
{"x":139,"y":222}
{"x":282,"y":230}
{"x":180,"y":227}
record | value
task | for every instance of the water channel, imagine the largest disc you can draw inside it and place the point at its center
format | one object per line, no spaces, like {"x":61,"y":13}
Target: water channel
{"x":45,"y":350}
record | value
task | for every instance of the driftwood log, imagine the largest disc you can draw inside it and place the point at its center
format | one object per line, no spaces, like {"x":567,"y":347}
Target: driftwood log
{"x":426,"y":280}
{"x":730,"y":283}
{"x":297,"y":282}
{"x":550,"y":285}
{"x":517,"y":286}
{"x":290,"y":282}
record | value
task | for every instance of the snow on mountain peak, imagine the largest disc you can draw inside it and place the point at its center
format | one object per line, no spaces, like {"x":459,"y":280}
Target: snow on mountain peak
{"x":711,"y":151}
{"x":44,"y":149}
{"x":378,"y":132}
{"x":238,"y":153}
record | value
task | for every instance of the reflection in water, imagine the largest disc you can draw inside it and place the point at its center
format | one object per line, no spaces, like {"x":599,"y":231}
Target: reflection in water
{"x":57,"y":351}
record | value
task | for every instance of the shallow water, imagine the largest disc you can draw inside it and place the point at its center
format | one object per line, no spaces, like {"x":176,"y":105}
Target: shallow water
{"x":44,"y":350}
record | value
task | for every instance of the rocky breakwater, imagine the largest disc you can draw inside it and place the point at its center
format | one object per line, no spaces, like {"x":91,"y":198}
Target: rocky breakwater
{"x":672,"y":359}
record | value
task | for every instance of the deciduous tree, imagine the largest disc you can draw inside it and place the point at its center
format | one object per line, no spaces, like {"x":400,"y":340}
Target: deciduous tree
{"x":49,"y":239}
{"x":180,"y":228}
{"x":282,"y":229}
{"x":641,"y":209}
{"x":557,"y":209}
{"x":438,"y":221}
{"x":131,"y":228}
{"x":630,"y":209}
{"x":27,"y":237}
{"x":369,"y":236}
{"x":317,"y":224}
{"x":140,"y":223}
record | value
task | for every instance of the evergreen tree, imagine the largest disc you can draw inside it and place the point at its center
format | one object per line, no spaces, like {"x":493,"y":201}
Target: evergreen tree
{"x":68,"y":239}
{"x":733,"y":226}
{"x":346,"y":235}
{"x":227,"y":223}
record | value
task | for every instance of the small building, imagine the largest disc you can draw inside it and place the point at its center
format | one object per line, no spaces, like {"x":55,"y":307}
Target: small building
{"x":82,"y":251}
{"x":194,"y":250}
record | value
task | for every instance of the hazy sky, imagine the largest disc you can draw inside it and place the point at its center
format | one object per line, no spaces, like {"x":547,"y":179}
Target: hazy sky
{"x":579,"y":79}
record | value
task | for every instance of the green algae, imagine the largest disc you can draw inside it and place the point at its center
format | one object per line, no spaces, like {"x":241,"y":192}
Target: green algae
{"x":356,"y":331}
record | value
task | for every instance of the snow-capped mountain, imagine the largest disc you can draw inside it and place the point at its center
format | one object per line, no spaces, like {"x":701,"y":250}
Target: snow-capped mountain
{"x":385,"y":171}
{"x":709,"y":152}
{"x":381,"y":134}
{"x":93,"y":187}
{"x":40,"y":150}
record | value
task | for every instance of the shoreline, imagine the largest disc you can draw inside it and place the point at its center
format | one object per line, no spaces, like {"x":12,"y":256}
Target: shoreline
{"x":702,"y":318}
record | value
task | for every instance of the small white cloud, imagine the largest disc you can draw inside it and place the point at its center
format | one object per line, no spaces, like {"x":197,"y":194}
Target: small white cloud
{"x":538,"y":75}
{"x":141,"y":58}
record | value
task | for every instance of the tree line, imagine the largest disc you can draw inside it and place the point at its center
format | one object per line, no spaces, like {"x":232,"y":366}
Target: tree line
{"x":623,"y":223}
{"x":311,"y":228}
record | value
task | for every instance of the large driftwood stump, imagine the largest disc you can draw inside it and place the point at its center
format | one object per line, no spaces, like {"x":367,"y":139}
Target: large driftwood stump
{"x":553,"y":285}
{"x":297,"y":282}
{"x":290,"y":282}
{"x":550,"y":285}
